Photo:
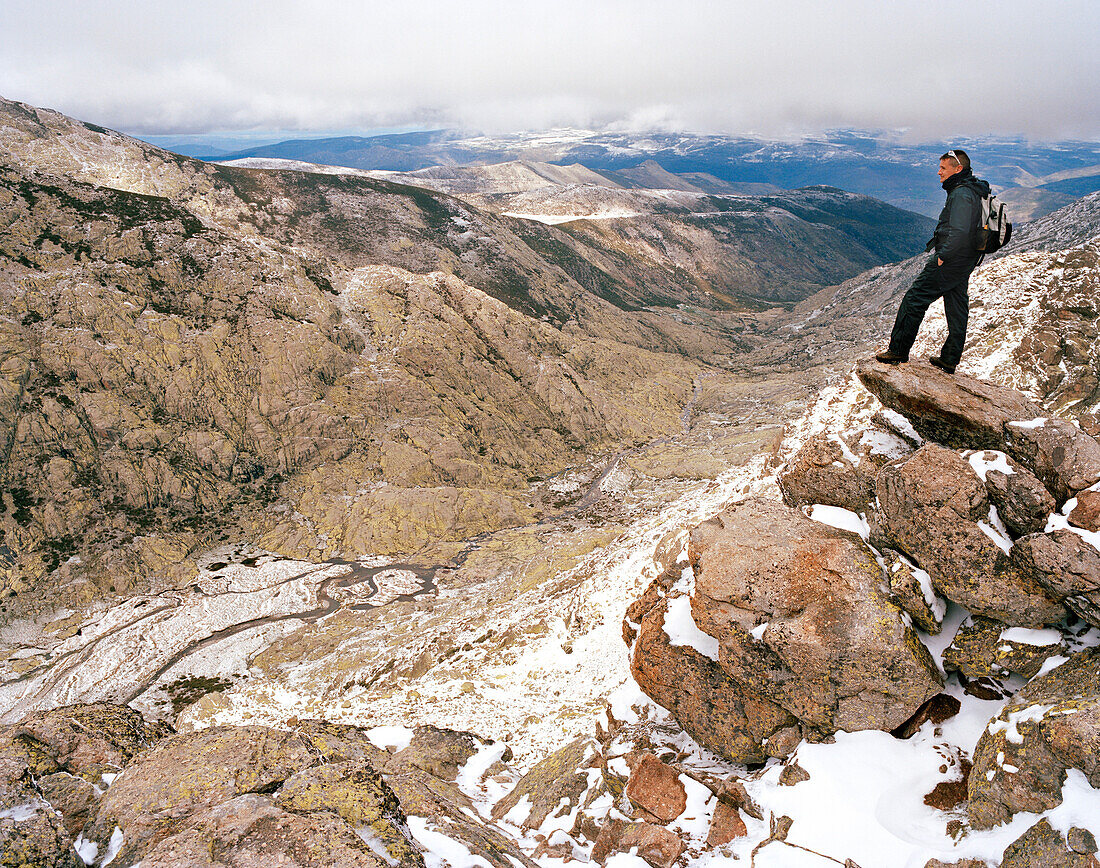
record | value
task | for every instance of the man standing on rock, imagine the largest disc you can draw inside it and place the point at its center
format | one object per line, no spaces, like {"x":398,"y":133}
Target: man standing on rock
{"x":948,"y":270}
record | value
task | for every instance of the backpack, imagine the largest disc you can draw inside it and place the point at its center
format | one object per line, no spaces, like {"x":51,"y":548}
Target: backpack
{"x":994,"y":230}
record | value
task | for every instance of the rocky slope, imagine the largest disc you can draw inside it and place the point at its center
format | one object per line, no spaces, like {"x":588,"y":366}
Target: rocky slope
{"x":198,"y":347}
{"x":841,"y":705}
{"x":331,"y":366}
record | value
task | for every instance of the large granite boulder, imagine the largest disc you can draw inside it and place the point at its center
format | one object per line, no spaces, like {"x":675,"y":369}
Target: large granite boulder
{"x":803,"y":618}
{"x":704,"y":698}
{"x":951,"y":409}
{"x":930,"y":507}
{"x":1063,"y":456}
{"x":250,"y":830}
{"x":823,"y":471}
{"x":1023,"y":502}
{"x":190,"y":772}
{"x":1067,"y":566}
{"x":1042,"y":846}
{"x":1050,"y":726}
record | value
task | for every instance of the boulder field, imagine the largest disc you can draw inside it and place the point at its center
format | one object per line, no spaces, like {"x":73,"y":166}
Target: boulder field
{"x":784,"y":626}
{"x":794,"y":621}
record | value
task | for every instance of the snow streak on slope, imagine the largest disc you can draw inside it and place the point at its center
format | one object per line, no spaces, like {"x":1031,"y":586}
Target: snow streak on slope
{"x":550,"y":691}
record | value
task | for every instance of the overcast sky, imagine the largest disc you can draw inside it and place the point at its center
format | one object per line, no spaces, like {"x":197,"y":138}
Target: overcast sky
{"x":939,"y":69}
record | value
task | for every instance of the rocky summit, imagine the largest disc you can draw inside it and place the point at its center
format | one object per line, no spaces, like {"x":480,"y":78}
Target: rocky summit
{"x":531,"y":514}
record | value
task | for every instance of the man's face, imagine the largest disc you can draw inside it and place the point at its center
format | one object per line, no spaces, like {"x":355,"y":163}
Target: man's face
{"x":947,"y":169}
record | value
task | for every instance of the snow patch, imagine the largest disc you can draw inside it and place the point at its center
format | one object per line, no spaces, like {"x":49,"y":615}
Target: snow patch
{"x":87,"y":850}
{"x":682,"y":631}
{"x":990,"y":459}
{"x":19,"y":813}
{"x":442,"y":851}
{"x":386,"y":737}
{"x":1024,"y":636}
{"x":841,"y":518}
{"x":902,"y":425}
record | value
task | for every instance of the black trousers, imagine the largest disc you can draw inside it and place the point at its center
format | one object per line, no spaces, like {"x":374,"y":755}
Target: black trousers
{"x":948,"y":282}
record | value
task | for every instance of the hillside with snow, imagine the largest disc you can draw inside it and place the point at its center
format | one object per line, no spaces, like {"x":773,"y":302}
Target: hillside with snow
{"x":399,"y":508}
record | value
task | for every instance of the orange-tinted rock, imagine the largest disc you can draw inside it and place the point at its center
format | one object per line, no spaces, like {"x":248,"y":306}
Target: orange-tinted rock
{"x":726,"y":825}
{"x":656,"y":787}
{"x":1087,"y":512}
{"x":706,"y":701}
{"x":658,"y":846}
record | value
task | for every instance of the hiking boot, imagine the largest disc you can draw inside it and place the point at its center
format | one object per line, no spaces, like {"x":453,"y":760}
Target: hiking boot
{"x":941,"y":364}
{"x":890,"y":358}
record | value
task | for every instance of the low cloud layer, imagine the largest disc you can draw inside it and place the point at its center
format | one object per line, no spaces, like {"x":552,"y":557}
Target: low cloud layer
{"x":936,"y":68}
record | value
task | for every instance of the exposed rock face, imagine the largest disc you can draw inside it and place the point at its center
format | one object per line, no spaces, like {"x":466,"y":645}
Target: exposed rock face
{"x":31,"y":833}
{"x":980,"y":649}
{"x":931,"y":506}
{"x":1022,"y":501}
{"x":1044,"y":847}
{"x":951,"y":409}
{"x":802,"y":620}
{"x":1051,"y":725}
{"x":912,"y":589}
{"x":1086,"y":514}
{"x":190,"y":772}
{"x":726,"y":825}
{"x":659,"y":847}
{"x":705,"y":699}
{"x":656,"y":788}
{"x":359,"y":795}
{"x":822,"y":473}
{"x":1065,"y":564}
{"x":439,"y":752}
{"x":83,"y":740}
{"x":1063,"y":456}
{"x":561,"y":776}
{"x":233,"y":796}
{"x":250,"y":830}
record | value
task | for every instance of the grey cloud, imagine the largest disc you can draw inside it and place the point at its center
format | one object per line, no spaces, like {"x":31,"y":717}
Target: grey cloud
{"x":937,"y":68}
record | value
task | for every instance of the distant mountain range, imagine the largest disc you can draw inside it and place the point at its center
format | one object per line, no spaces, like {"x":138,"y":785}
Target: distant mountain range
{"x":1035,"y":178}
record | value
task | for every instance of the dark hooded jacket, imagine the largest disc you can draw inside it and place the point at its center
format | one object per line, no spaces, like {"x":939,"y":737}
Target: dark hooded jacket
{"x":957,"y":228}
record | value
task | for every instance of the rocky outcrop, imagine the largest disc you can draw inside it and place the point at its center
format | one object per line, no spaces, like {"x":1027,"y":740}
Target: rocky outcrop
{"x":985,"y":648}
{"x":1086,"y":512}
{"x":705,"y":698}
{"x":323,"y":794}
{"x":823,"y":471}
{"x":1063,"y":456}
{"x":656,"y":788}
{"x":1050,"y":726}
{"x":801,"y":619}
{"x":250,"y":830}
{"x":191,"y":772}
{"x":933,"y":506}
{"x":1022,"y":501}
{"x":658,"y":846}
{"x":1044,"y":847}
{"x":83,"y":740}
{"x":1067,"y":566}
{"x":911,"y":587}
{"x":559,"y":780}
{"x":950,"y":409}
